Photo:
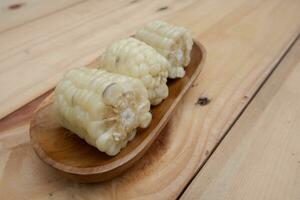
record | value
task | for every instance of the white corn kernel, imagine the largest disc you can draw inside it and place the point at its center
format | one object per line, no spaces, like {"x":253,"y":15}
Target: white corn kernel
{"x":134,"y":58}
{"x":101,"y":107}
{"x":174,"y":43}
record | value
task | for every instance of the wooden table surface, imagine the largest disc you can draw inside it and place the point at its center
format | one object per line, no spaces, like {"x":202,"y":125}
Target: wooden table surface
{"x":243,"y":144}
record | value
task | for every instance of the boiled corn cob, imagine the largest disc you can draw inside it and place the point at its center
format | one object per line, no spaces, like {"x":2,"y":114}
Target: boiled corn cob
{"x":134,"y":58}
{"x":174,"y":43}
{"x":101,"y":107}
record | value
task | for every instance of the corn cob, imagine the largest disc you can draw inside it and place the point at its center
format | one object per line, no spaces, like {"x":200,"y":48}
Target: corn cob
{"x":134,"y":58}
{"x":101,"y":107}
{"x":174,"y":43}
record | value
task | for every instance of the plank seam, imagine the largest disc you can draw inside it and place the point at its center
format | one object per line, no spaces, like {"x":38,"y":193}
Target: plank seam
{"x":290,"y":46}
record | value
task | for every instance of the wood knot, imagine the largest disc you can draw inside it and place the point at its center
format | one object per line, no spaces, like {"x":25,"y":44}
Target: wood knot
{"x":162,"y":8}
{"x":15,"y":6}
{"x":117,"y":60}
{"x":203,"y":101}
{"x":194,"y":84}
{"x":134,"y":1}
{"x":207,"y":153}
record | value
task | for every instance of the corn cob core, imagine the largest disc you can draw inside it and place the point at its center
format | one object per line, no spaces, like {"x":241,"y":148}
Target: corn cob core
{"x":136,"y":59}
{"x":174,"y":43}
{"x":103,"y":108}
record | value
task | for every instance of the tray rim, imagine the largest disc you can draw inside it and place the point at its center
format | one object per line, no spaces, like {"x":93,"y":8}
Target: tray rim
{"x":128,"y":159}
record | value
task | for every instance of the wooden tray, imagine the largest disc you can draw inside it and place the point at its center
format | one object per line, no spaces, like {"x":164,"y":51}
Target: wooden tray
{"x":77,"y":160}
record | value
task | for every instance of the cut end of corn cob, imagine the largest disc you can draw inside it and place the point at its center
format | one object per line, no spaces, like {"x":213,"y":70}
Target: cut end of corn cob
{"x":103,"y":108}
{"x":174,"y":43}
{"x":134,"y":58}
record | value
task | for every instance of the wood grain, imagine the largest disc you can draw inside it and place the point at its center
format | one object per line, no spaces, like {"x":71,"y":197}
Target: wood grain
{"x":244,"y":41}
{"x":260,"y":157}
{"x":64,"y":150}
{"x":34,"y":56}
{"x":14,"y":13}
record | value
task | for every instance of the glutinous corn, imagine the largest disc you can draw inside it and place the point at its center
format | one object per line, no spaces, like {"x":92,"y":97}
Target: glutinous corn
{"x":102,"y":108}
{"x":134,"y":58}
{"x":174,"y":43}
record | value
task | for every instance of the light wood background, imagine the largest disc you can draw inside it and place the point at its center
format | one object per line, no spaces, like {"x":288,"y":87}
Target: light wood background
{"x":260,"y":157}
{"x":244,"y":41}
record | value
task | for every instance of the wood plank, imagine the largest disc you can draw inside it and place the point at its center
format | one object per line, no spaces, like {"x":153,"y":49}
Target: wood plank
{"x":260,"y":156}
{"x":14,"y":13}
{"x":71,"y":38}
{"x":243,"y":43}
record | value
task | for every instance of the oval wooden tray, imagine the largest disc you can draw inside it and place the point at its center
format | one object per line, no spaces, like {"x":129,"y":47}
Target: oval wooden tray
{"x":77,"y":160}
